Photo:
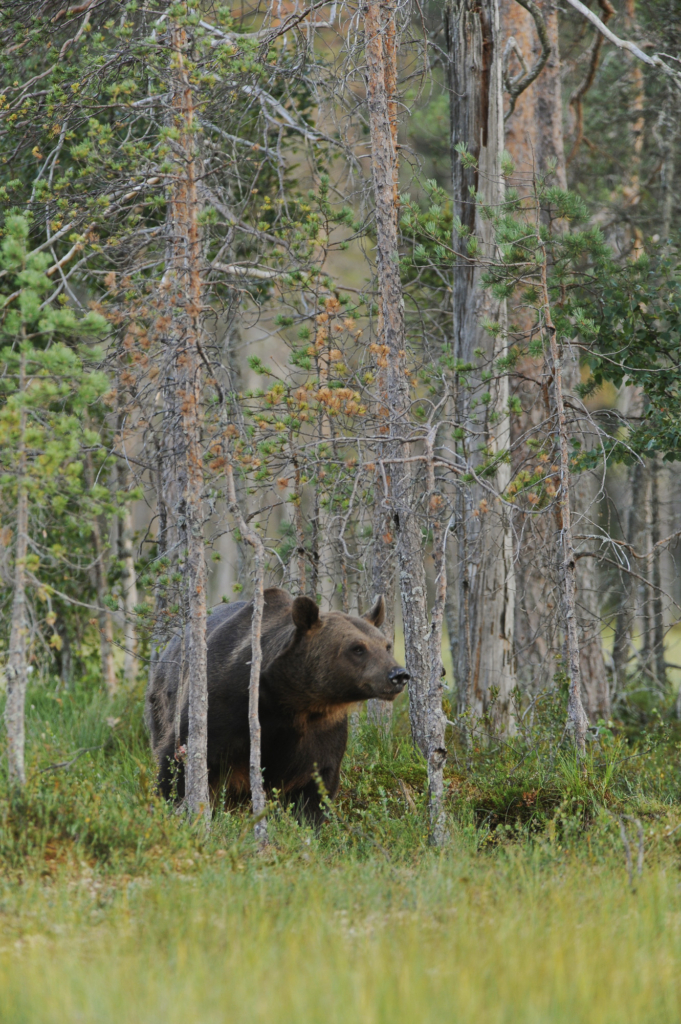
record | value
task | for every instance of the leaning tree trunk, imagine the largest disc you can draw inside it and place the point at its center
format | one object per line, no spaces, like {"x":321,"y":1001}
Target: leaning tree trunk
{"x":486,"y":590}
{"x":16,"y":670}
{"x":185,"y":284}
{"x":412,"y":577}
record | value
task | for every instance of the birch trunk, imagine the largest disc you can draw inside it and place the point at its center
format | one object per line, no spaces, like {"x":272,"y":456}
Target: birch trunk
{"x":185,"y":282}
{"x":412,"y":578}
{"x":16,"y":669}
{"x":485,"y":660}
{"x":252,"y":537}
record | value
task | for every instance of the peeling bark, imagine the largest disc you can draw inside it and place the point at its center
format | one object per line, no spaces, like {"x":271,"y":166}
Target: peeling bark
{"x":485,"y":662}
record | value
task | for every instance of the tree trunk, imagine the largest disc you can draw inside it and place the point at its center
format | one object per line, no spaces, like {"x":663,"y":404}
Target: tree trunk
{"x":104,"y":615}
{"x":383,"y":579}
{"x":626,"y":615}
{"x":252,"y":537}
{"x":128,"y":582}
{"x":412,"y":577}
{"x":577,"y":719}
{"x":659,"y":663}
{"x":185,"y":281}
{"x":534,"y":131}
{"x":437,"y":751}
{"x":16,"y":670}
{"x":486,"y":588}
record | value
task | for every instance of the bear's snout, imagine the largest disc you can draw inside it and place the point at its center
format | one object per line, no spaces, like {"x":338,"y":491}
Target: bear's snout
{"x":399,"y":677}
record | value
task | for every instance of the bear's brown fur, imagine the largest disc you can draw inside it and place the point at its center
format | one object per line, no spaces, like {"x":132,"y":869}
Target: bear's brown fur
{"x":314,"y":668}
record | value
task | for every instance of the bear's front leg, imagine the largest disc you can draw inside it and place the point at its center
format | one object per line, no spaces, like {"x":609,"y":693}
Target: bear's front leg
{"x":310,"y":802}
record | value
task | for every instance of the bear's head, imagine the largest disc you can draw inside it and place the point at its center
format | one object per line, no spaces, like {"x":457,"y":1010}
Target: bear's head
{"x":345,"y":658}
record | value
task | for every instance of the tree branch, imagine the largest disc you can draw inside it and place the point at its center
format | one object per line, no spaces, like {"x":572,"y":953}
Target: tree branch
{"x":514,"y":86}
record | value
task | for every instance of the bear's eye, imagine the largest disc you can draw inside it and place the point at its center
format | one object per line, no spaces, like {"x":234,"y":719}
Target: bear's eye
{"x":359,"y":649}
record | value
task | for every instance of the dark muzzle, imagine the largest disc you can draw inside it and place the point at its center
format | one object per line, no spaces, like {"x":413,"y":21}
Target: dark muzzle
{"x":399,"y":676}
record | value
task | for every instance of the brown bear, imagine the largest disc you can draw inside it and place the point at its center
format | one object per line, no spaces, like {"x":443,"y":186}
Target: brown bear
{"x":314,"y":668}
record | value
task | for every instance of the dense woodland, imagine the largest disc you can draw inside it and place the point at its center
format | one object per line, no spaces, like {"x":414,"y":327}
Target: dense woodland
{"x":351,"y":300}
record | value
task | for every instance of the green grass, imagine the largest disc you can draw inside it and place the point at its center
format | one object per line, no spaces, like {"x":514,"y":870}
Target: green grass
{"x":113,"y":909}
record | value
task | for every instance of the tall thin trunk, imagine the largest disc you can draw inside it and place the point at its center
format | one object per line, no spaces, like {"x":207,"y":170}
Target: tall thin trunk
{"x":576,"y":714}
{"x":486,"y":587}
{"x":383,"y":580}
{"x":253,"y":538}
{"x":16,"y":670}
{"x":659,"y":660}
{"x":185,"y":274}
{"x":437,"y":752}
{"x":412,"y":575}
{"x":104,"y":615}
{"x":626,"y":615}
{"x":128,"y":582}
{"x":534,"y":141}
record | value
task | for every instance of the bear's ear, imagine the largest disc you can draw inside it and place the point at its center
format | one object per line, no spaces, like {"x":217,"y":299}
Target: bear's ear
{"x":305,"y":613}
{"x":376,"y":615}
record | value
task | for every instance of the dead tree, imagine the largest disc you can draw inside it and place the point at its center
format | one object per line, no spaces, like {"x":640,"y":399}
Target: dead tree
{"x":412,"y":577}
{"x":484,"y":575}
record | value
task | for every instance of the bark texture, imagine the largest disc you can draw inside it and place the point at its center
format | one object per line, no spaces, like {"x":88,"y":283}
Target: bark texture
{"x":186,"y":291}
{"x":436,"y":724}
{"x":534,"y":131}
{"x":485,"y":661}
{"x":379,"y":38}
{"x":577,"y":719}
{"x":16,"y":668}
{"x":252,"y":537}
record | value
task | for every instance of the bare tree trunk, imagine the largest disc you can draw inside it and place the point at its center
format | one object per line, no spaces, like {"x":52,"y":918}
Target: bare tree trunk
{"x":486,"y":597}
{"x":252,"y":537}
{"x":16,"y":669}
{"x":383,"y":578}
{"x":185,"y":281}
{"x":104,"y":615}
{"x":659,"y":660}
{"x":128,"y":582}
{"x":437,"y":752}
{"x":534,"y":140}
{"x":408,"y":534}
{"x":626,"y":614}
{"x":576,"y":715}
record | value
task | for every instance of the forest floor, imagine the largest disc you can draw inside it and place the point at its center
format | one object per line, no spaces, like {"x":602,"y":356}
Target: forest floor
{"x":114,"y":909}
